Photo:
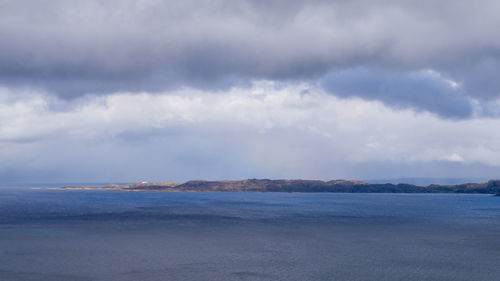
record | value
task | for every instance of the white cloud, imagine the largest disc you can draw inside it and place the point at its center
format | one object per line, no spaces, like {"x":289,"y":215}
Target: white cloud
{"x":455,"y":158}
{"x":267,"y":130}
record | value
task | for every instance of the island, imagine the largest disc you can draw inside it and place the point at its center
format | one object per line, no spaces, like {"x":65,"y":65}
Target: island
{"x":298,"y":185}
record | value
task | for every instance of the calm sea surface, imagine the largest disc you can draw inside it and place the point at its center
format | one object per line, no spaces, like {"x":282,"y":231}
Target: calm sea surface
{"x":98,"y":235}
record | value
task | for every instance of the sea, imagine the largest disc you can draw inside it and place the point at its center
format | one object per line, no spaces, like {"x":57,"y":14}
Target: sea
{"x":83,"y":235}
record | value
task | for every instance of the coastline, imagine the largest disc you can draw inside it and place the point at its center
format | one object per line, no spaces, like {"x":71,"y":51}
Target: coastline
{"x":303,"y":186}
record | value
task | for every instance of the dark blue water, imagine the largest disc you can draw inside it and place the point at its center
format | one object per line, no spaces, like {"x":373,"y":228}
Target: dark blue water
{"x":98,"y":235}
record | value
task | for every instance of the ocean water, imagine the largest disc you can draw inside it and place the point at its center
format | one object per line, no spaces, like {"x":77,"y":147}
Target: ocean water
{"x":97,"y":235}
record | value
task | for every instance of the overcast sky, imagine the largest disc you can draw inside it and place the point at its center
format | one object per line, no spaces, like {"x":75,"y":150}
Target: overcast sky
{"x":226,"y":89}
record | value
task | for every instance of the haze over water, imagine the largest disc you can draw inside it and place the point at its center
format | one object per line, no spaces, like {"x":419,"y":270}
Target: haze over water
{"x":98,"y":235}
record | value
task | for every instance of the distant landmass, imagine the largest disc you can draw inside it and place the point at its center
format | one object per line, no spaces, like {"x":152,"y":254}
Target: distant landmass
{"x":267,"y":185}
{"x":425,"y":181}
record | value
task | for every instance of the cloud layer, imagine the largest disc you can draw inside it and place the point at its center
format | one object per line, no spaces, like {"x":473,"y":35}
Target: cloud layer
{"x":131,"y":90}
{"x":267,"y":130}
{"x":78,"y":47}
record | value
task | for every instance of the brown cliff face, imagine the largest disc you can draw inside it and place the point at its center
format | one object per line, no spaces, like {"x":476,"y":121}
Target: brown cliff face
{"x":267,"y":185}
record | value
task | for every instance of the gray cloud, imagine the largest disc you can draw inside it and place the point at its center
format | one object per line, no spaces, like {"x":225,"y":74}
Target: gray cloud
{"x":78,"y":47}
{"x":422,"y":91}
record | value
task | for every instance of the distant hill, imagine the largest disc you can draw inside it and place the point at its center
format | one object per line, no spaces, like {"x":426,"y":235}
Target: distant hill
{"x":267,"y":185}
{"x":422,"y":181}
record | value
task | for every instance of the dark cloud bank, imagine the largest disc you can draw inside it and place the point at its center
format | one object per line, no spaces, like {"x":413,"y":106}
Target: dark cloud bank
{"x":406,"y":54}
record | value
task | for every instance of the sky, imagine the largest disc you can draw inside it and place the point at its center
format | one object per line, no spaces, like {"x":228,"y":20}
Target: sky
{"x":147,"y":90}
